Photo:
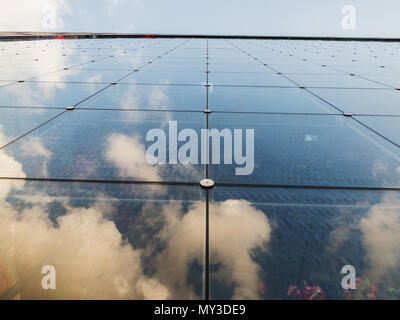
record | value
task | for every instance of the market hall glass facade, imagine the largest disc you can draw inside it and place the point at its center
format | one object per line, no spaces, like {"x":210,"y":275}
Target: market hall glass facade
{"x":77,"y":192}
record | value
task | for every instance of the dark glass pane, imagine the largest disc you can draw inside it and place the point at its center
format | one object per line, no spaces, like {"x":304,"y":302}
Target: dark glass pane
{"x":389,"y":127}
{"x":166,"y":77}
{"x":46,"y":94}
{"x":335,"y":81}
{"x":152,"y":97}
{"x":259,"y":99}
{"x":94,"y":144}
{"x":248,"y":79}
{"x":362,"y":101}
{"x":84,"y":75}
{"x":274,"y":243}
{"x":306,"y":150}
{"x":15,"y":122}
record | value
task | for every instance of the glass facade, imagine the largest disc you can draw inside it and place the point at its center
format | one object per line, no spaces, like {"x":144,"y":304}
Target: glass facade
{"x":79,"y":191}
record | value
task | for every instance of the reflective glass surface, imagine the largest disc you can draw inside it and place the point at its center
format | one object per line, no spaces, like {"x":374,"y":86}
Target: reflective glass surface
{"x":47,"y":94}
{"x":103,"y":168}
{"x":152,"y":97}
{"x":167,"y":77}
{"x":308,"y":150}
{"x":83,"y":144}
{"x":107,"y":241}
{"x":362,"y":101}
{"x":341,"y":81}
{"x":261,"y":99}
{"x":15,"y":122}
{"x":292,"y":244}
{"x":389,"y":127}
{"x":248,"y":79}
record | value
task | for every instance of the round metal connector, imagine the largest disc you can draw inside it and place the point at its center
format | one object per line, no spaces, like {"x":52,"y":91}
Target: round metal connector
{"x":70,"y":108}
{"x":207,"y":183}
{"x":207,"y":111}
{"x":347,"y":114}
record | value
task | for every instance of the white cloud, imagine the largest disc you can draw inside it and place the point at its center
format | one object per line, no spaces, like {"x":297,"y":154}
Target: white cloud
{"x":91,"y":258}
{"x":381,"y":234}
{"x":128,"y":155}
{"x":39,"y":156}
{"x":236,"y":230}
{"x":9,"y":167}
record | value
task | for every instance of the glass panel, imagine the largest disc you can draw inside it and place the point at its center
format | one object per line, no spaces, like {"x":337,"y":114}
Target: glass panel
{"x":367,"y":70}
{"x":116,"y":63}
{"x":387,"y":126}
{"x":166,"y":77}
{"x":248,"y":79}
{"x":304,"y":150}
{"x":46,"y":94}
{"x":337,"y":81}
{"x":362,"y":101}
{"x":258,"y":99}
{"x":105,"y":241}
{"x":79,"y":75}
{"x":289,"y":68}
{"x":106,"y":144}
{"x":163,"y":65}
{"x":15,"y":122}
{"x":293,"y":244}
{"x":255,"y":67}
{"x":156,"y":97}
{"x":390,"y":80}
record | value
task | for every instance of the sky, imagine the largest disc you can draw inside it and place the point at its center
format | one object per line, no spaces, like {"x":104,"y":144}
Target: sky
{"x":366,"y":18}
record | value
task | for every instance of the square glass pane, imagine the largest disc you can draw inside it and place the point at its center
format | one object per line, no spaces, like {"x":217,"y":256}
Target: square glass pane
{"x":14,"y":122}
{"x":149,"y":97}
{"x":290,"y":68}
{"x":105,"y":241}
{"x":248,"y":79}
{"x":255,"y":67}
{"x":166,"y":77}
{"x":84,"y":75}
{"x":301,"y":150}
{"x":362,"y":101}
{"x":334,"y":81}
{"x":46,"y":94}
{"x":163,"y":65}
{"x":259,"y":99}
{"x":108,"y":145}
{"x":292,"y":244}
{"x":389,"y":127}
